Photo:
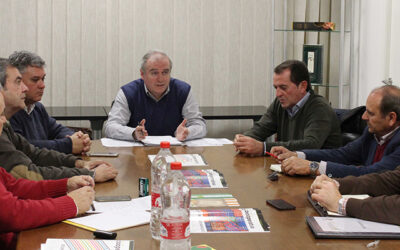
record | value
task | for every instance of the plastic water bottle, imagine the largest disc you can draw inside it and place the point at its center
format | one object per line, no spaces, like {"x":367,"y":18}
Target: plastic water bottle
{"x":159,"y":169}
{"x":175,"y":213}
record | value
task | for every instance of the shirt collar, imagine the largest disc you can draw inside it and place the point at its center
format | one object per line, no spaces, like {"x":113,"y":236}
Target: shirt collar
{"x":152,"y":97}
{"x":293,"y":110}
{"x":29,"y":108}
{"x":386,"y":137}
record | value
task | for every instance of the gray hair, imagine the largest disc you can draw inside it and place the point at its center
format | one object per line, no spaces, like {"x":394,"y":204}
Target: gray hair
{"x":22,"y":59}
{"x":149,"y":54}
{"x":4,"y":63}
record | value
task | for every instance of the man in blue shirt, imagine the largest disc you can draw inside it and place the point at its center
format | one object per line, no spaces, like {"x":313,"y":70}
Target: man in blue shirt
{"x":376,"y":150}
{"x":33,"y":122}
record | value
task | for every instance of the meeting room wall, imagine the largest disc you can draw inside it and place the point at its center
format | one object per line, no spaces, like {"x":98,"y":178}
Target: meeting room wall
{"x":92,"y":47}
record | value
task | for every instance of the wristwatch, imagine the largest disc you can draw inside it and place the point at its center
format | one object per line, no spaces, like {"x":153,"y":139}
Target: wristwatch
{"x":314,"y":166}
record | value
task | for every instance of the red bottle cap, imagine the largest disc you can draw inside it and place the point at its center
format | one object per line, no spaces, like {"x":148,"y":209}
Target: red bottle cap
{"x":176,"y":165}
{"x":164,"y":144}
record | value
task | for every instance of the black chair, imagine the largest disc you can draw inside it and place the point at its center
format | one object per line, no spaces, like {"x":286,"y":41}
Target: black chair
{"x":351,"y":123}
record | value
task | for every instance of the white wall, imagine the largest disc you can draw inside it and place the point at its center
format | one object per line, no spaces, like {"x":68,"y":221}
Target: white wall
{"x":92,"y":47}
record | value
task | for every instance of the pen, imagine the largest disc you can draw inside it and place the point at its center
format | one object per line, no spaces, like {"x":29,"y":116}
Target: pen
{"x":92,"y":206}
{"x":268,"y":153}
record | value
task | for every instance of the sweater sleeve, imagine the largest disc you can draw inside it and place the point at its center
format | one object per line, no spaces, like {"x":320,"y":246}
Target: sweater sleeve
{"x":56,"y":133}
{"x":266,"y":126}
{"x":16,"y":213}
{"x":23,"y":160}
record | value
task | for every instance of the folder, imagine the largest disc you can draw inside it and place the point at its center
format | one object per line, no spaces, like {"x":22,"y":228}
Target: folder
{"x":350,"y":228}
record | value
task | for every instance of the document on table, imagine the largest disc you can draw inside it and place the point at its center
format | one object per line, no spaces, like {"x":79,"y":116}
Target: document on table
{"x":156,"y":140}
{"x":78,"y":244}
{"x":345,"y":227}
{"x":204,"y":178}
{"x":113,"y":217}
{"x":108,"y":142}
{"x":195,"y":160}
{"x":142,"y":203}
{"x":213,"y":200}
{"x":230,"y":220}
{"x":207,"y":142}
{"x":276,"y":168}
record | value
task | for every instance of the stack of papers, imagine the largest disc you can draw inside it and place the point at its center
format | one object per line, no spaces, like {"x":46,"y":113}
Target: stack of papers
{"x":113,"y":216}
{"x":78,"y":244}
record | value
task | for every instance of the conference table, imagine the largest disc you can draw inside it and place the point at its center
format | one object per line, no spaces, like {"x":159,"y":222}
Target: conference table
{"x":247,"y":181}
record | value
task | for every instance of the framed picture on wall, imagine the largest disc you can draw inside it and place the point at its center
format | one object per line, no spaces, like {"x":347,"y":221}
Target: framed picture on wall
{"x":313,"y":58}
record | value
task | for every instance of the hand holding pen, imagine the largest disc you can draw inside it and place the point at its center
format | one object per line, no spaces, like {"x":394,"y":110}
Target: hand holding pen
{"x":80,"y":189}
{"x":140,"y":131}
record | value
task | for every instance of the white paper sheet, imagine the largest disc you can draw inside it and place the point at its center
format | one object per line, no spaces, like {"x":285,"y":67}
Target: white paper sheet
{"x":207,"y":142}
{"x":276,"y":168}
{"x":114,"y":220}
{"x":346,"y":224}
{"x":142,"y":203}
{"x":108,"y":142}
{"x":156,"y":140}
{"x":185,"y":159}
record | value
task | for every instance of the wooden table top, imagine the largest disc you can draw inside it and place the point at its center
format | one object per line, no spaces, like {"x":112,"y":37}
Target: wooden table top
{"x":246,"y":179}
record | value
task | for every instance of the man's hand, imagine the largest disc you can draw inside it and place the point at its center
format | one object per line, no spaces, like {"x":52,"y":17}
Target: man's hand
{"x":327,"y":193}
{"x":140,"y":132}
{"x":90,"y":165}
{"x":104,"y":172}
{"x":317,"y":182}
{"x":294,"y":165}
{"x":83,"y":198}
{"x":282,"y":152}
{"x":79,"y":181}
{"x":182,"y":131}
{"x":248,"y":145}
{"x":80,"y":142}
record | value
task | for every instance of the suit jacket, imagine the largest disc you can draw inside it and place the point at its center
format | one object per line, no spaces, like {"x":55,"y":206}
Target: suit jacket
{"x":356,"y":158}
{"x":383,"y":206}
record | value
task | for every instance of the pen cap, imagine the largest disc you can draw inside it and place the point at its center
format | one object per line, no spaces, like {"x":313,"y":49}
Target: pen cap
{"x":164,"y":144}
{"x":176,"y":165}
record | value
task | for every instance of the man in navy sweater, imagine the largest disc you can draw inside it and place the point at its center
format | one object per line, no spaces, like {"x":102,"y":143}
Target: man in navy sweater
{"x":156,"y":104}
{"x":378,"y":148}
{"x":33,"y":122}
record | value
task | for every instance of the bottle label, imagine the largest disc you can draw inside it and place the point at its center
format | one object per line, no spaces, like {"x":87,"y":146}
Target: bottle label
{"x":175,"y":231}
{"x":155,"y":200}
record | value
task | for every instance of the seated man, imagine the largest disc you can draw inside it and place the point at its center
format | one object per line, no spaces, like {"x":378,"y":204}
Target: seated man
{"x":33,"y":122}
{"x":26,"y":204}
{"x":384,"y":188}
{"x":378,"y":148}
{"x":156,"y":104}
{"x":22,"y":159}
{"x":300,"y":118}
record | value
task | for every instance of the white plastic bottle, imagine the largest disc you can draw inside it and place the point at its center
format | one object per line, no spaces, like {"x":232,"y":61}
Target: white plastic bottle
{"x":159,"y":169}
{"x":175,"y":213}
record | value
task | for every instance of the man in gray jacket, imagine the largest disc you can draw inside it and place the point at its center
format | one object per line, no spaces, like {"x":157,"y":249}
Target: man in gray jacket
{"x":22,"y":159}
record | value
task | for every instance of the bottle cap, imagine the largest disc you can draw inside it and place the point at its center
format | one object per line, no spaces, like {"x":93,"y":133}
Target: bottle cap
{"x":164,"y":144}
{"x":176,"y":165}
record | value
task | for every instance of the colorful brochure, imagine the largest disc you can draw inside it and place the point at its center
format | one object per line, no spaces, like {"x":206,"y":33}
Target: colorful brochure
{"x":78,"y":244}
{"x":232,"y":220}
{"x":213,"y":200}
{"x":204,"y":178}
